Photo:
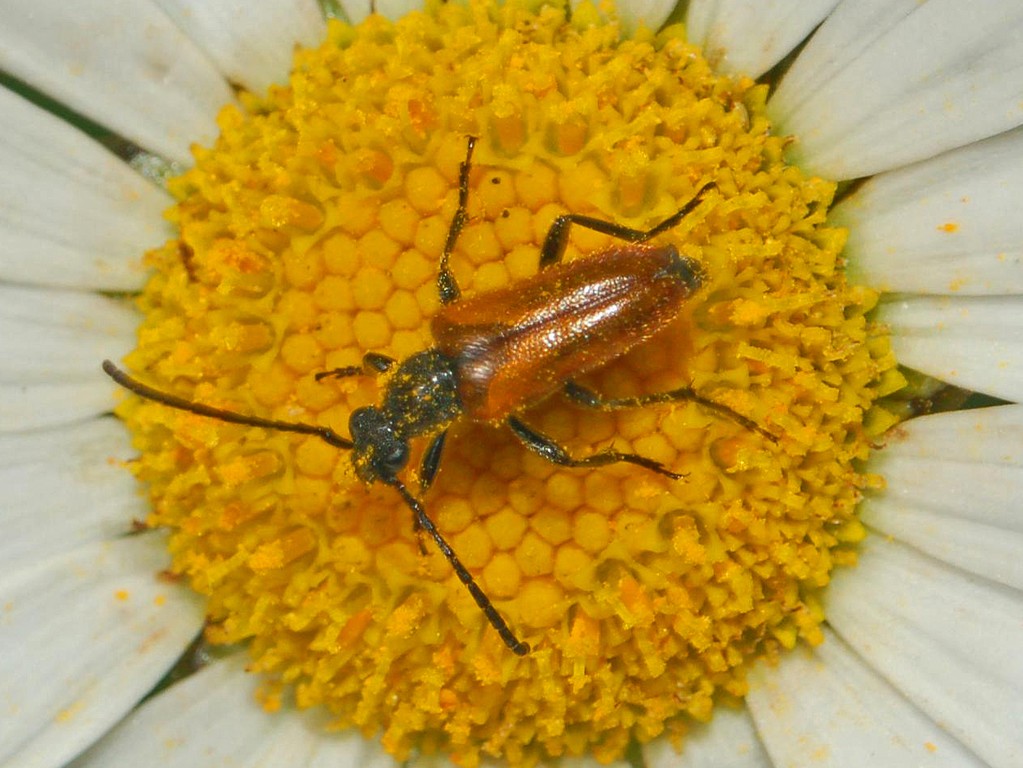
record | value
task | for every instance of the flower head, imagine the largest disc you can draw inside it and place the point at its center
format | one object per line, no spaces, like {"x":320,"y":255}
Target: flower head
{"x":310,"y":234}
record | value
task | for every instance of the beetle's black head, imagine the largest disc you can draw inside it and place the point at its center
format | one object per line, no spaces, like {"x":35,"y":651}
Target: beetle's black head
{"x":379,"y":452}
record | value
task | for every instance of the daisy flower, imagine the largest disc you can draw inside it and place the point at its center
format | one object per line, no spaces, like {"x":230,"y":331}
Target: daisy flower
{"x":790,"y":602}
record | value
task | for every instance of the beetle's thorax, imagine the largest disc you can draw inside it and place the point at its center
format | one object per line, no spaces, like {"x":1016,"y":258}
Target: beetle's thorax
{"x":420,"y":398}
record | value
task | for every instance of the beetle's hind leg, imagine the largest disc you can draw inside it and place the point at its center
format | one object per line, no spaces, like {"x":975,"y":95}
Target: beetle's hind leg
{"x":447,"y":286}
{"x":556,"y":241}
{"x":544,"y":446}
{"x":590,"y":399}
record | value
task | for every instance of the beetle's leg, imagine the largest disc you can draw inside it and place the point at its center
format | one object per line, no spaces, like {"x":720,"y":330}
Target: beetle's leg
{"x":427,"y":473}
{"x":425,"y":523}
{"x":591,"y":399}
{"x":543,"y":445}
{"x":447,"y":286}
{"x":556,"y":241}
{"x":431,"y":462}
{"x":372,"y":363}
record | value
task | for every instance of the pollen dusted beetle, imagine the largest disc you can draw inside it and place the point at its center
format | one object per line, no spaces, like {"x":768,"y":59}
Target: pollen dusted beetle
{"x":500,"y":352}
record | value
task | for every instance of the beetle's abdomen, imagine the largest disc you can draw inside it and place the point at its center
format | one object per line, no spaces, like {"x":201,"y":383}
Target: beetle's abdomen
{"x":515,"y":346}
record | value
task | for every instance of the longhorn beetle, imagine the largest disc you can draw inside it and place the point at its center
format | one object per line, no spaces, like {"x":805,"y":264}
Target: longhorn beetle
{"x":502,"y":351}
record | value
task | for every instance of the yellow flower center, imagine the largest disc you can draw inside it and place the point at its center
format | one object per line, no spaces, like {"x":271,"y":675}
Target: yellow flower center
{"x":311,"y":234}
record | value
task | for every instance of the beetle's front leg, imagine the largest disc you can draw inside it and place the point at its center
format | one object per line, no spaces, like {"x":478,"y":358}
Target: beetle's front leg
{"x":372,"y":363}
{"x":447,"y":286}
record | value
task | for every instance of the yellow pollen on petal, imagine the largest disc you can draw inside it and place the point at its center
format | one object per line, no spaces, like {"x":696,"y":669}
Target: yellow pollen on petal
{"x":311,"y":234}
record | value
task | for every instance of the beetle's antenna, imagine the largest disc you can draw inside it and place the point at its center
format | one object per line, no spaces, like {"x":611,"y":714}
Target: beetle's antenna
{"x":425,"y":523}
{"x":326,"y":434}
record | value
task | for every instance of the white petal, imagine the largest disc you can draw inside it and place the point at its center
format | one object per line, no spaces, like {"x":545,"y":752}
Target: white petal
{"x":50,"y":336}
{"x":850,"y":30}
{"x":40,"y":406}
{"x":974,"y":342}
{"x":946,"y":225}
{"x":948,"y":640}
{"x":63,"y":488}
{"x":953,"y":488}
{"x":85,"y":636}
{"x":213,"y":718}
{"x":748,"y":37}
{"x":52,"y":343}
{"x":354,"y":11}
{"x":71,"y":214}
{"x":888,"y":82}
{"x":651,"y":13}
{"x":251,"y":43}
{"x":826,"y":708}
{"x":727,"y":741}
{"x":357,"y":10}
{"x":121,"y":63}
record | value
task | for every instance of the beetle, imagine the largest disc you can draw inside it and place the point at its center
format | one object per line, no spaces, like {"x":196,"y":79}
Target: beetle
{"x":500,"y":352}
